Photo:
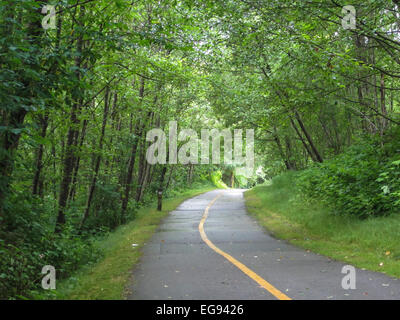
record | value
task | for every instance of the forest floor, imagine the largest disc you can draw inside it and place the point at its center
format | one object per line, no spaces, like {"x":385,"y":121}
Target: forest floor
{"x":372,"y":243}
{"x":108,"y":278}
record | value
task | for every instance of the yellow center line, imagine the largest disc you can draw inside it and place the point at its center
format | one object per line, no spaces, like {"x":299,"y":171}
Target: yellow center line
{"x":263,"y":283}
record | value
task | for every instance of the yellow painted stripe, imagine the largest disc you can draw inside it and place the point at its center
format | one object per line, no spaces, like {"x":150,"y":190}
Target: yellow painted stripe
{"x":263,"y":283}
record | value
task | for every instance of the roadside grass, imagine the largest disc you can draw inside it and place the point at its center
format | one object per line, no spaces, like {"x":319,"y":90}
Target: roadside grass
{"x":108,"y":278}
{"x":373,"y":243}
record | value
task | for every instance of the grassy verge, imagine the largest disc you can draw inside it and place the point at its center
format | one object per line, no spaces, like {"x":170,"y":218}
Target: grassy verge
{"x":373,"y":244}
{"x":108,"y":278}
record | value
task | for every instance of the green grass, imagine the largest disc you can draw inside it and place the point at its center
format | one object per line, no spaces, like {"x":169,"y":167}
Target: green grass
{"x":373,"y":243}
{"x":108,"y":278}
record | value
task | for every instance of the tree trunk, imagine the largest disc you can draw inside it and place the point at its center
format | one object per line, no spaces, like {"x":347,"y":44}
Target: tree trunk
{"x":189,"y":174}
{"x":144,"y":166}
{"x":289,"y":154}
{"x":39,"y":165}
{"x":98,"y":159}
{"x":69,"y":151}
{"x":308,"y":137}
{"x":384,"y":122}
{"x":305,"y":145}
{"x":161,"y":188}
{"x":77,"y":161}
{"x":280,"y":149}
{"x":15,"y":119}
{"x":129,"y":176}
{"x":169,"y":177}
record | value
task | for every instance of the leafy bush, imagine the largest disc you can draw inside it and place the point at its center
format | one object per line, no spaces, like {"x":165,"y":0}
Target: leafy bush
{"x":28,"y":243}
{"x":363,"y":181}
{"x":105,"y":213}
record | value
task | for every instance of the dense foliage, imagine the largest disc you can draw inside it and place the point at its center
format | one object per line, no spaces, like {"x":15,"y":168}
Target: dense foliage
{"x":363,"y":181}
{"x":78,"y":100}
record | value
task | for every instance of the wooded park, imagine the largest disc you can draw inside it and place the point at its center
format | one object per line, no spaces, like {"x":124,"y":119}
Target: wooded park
{"x":82,"y":82}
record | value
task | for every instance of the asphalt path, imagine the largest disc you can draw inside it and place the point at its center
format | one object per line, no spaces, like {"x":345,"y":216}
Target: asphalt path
{"x":209,"y":248}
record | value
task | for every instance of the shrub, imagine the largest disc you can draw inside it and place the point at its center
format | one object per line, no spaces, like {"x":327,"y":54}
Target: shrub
{"x":363,"y":181}
{"x":28,"y":243}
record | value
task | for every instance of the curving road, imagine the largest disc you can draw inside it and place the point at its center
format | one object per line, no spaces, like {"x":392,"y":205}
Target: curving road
{"x":210,"y":249}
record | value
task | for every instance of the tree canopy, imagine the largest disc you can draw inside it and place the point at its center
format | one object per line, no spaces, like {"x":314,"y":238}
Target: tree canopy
{"x":78,"y":98}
